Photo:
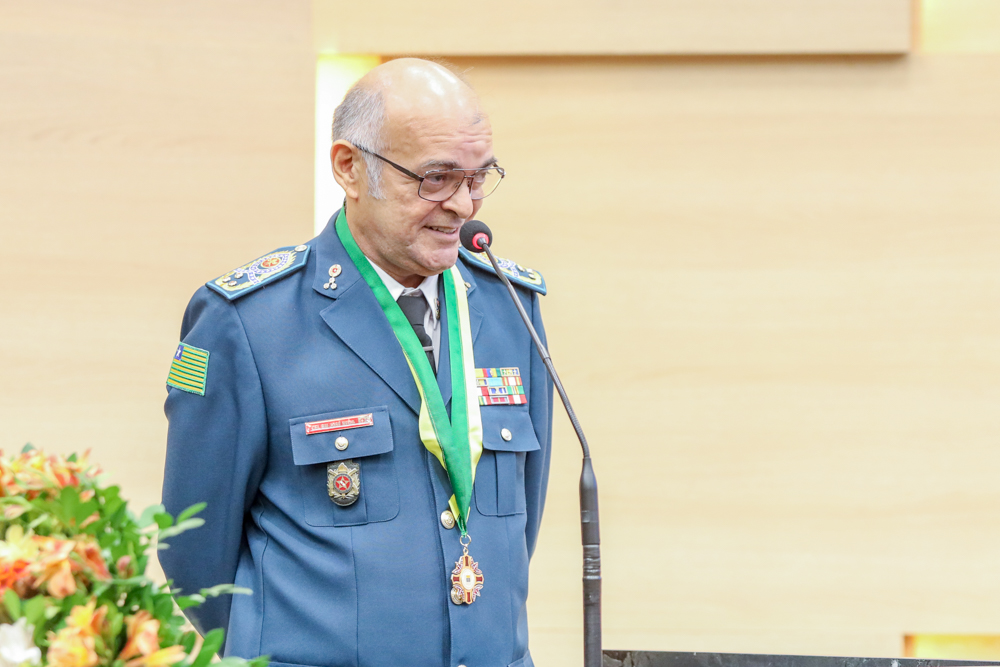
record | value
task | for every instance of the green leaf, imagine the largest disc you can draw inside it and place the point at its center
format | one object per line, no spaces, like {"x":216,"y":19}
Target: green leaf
{"x":209,"y":647}
{"x":34,"y":609}
{"x":146,"y":518}
{"x":163,"y":520}
{"x":12,"y":603}
{"x":188,"y":640}
{"x":224,"y":589}
{"x":163,"y":607}
{"x":186,"y":601}
{"x":28,"y":447}
{"x":191,"y":511}
{"x":233,"y":661}
{"x":187,"y":524}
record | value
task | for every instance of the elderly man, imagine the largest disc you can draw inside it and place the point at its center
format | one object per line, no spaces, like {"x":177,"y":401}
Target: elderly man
{"x":364,"y":413}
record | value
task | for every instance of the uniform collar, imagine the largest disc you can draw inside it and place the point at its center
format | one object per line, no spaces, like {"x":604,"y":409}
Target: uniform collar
{"x":331,"y":254}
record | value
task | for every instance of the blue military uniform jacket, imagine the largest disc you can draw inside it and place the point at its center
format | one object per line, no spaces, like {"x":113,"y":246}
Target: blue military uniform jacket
{"x":367,"y":584}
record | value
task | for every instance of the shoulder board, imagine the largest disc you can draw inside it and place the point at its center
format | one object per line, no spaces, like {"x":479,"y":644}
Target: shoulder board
{"x":518,"y":274}
{"x":263,"y":270}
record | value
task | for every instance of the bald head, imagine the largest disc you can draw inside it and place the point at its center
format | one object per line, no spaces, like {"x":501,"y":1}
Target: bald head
{"x":397,"y":99}
{"x":414,"y":88}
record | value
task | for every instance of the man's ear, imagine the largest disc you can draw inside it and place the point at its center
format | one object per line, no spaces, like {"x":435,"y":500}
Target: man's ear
{"x":347,"y":168}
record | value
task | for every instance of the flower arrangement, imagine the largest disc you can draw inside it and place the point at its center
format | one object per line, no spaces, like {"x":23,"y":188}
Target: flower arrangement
{"x":72,"y":574}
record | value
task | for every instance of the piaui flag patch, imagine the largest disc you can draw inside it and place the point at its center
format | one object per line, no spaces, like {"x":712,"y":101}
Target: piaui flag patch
{"x":189,"y":369}
{"x":500,"y":386}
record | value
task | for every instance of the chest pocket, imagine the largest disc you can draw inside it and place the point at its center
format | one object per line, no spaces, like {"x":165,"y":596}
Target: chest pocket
{"x":368,"y":436}
{"x":507,"y":436}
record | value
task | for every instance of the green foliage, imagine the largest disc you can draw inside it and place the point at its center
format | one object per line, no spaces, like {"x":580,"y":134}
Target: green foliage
{"x":72,"y":544}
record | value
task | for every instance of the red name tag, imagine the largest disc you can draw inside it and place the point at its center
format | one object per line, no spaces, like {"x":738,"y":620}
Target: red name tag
{"x":339,"y":424}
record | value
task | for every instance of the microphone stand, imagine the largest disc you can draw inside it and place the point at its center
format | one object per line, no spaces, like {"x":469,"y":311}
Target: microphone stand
{"x":590,"y":526}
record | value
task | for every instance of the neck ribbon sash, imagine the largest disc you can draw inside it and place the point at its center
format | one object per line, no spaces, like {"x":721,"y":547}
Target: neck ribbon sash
{"x":457,"y":443}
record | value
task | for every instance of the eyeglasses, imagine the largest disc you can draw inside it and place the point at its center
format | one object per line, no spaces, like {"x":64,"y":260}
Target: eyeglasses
{"x":441,"y":185}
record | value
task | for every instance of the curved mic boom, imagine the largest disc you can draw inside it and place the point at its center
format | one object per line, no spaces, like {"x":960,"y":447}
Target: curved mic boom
{"x":477,"y":237}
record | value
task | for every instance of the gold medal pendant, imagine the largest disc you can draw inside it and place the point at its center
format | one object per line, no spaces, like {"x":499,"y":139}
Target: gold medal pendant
{"x":466,"y":578}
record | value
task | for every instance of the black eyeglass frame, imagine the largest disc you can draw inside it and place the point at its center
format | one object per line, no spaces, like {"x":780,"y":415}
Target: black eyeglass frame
{"x":468,"y":179}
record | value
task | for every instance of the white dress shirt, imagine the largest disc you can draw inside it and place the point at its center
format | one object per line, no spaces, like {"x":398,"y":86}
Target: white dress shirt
{"x":429,"y":289}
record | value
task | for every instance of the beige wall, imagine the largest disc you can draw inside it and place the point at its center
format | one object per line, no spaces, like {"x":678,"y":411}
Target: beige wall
{"x":144,"y":148}
{"x":773,"y":290}
{"x":571,"y":27}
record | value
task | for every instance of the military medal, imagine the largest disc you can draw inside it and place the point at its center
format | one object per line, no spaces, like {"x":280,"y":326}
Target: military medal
{"x":455,"y":440}
{"x":466,"y":578}
{"x":343,"y":482}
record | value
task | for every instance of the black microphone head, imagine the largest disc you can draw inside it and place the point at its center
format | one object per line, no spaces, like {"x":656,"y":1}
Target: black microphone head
{"x":475,"y":236}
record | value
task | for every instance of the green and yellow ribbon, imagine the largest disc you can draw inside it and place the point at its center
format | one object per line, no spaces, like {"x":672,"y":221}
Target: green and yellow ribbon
{"x":457,"y":442}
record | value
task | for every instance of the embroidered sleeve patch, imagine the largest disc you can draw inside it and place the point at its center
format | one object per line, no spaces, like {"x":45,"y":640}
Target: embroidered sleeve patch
{"x":189,"y":369}
{"x":500,"y":386}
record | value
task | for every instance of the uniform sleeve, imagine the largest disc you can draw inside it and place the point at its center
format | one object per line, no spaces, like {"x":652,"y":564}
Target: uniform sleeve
{"x":536,"y":465}
{"x":216,"y":452}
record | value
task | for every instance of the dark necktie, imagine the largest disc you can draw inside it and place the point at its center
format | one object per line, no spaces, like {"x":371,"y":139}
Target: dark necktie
{"x":414,"y":307}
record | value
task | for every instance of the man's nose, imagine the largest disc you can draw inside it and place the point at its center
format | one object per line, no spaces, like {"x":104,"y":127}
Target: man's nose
{"x":461,"y":201}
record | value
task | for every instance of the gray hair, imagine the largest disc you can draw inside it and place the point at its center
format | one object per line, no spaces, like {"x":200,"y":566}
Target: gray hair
{"x":359,"y":119}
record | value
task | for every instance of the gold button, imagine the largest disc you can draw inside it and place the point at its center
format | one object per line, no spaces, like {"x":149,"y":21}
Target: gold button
{"x":340,"y":443}
{"x":447,"y":519}
{"x":301,"y":248}
{"x":506,"y":434}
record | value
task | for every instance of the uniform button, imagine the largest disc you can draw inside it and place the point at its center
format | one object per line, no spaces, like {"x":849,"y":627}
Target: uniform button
{"x":506,"y":434}
{"x":340,"y":443}
{"x":447,"y":519}
{"x":301,"y":248}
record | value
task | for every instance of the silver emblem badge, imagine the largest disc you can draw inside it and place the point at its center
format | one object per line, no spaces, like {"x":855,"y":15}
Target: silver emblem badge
{"x":343,"y":482}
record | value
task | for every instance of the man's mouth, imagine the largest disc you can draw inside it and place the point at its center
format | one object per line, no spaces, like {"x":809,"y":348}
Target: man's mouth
{"x":445,"y":230}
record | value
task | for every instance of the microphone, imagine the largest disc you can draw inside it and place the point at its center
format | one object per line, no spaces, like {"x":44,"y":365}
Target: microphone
{"x":477,"y":237}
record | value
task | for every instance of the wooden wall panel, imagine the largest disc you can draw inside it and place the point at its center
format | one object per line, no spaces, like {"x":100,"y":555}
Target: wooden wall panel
{"x":773,"y":299}
{"x":773,"y":290}
{"x":144,"y":148}
{"x":560,"y":27}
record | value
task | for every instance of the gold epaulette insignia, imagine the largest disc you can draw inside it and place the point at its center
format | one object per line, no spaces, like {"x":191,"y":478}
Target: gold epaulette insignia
{"x":263,"y":270}
{"x":518,"y":274}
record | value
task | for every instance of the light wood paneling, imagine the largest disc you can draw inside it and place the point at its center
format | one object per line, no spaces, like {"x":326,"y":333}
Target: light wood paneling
{"x":144,"y":148}
{"x":559,"y":27}
{"x":773,"y":298}
{"x":960,"y":26}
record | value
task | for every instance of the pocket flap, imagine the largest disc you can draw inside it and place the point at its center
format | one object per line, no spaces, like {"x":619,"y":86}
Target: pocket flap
{"x":508,"y":429}
{"x":365,"y":432}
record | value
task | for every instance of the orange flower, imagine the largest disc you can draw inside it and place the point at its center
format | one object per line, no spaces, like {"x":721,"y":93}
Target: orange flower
{"x":17,"y":552}
{"x":86,"y":620}
{"x":61,"y":582}
{"x":91,"y":556}
{"x":33,"y":473}
{"x":53,"y":567}
{"x":165,"y":656}
{"x":70,"y":648}
{"x":11,"y":572}
{"x":142,"y":635}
